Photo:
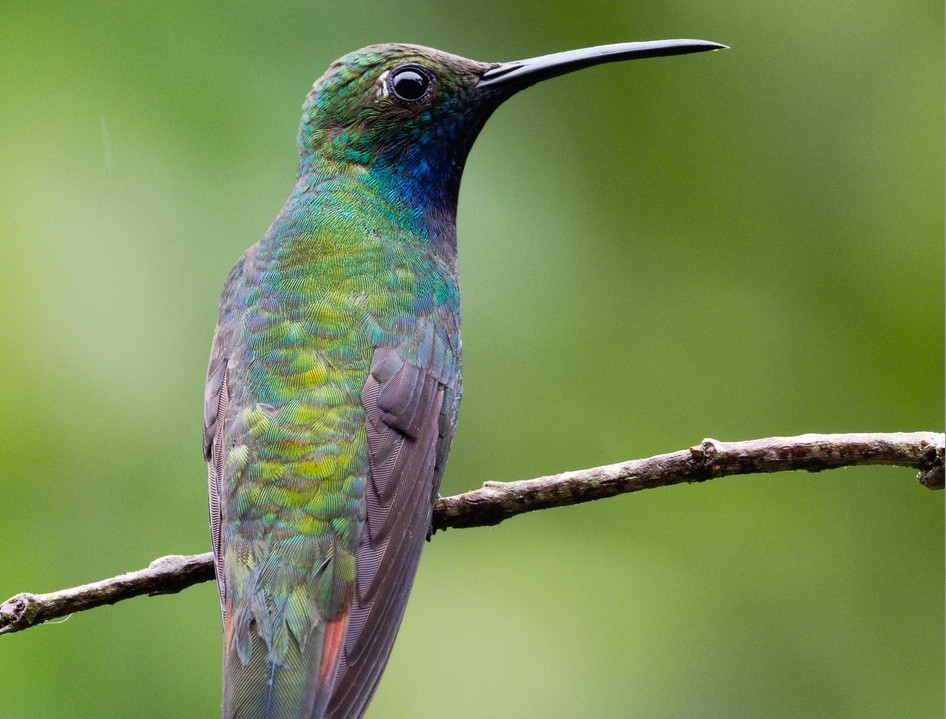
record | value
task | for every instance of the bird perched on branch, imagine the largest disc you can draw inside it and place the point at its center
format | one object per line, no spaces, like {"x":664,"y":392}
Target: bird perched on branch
{"x":334,"y":379}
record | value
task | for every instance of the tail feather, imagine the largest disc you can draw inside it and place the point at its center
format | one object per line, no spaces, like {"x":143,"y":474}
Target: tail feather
{"x":332,"y":642}
{"x":264,"y":689}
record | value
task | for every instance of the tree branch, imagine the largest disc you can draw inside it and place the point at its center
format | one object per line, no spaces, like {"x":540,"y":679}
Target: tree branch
{"x":498,"y":501}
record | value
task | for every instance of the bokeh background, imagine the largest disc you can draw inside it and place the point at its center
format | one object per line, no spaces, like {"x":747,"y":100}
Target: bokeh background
{"x":734,"y":245}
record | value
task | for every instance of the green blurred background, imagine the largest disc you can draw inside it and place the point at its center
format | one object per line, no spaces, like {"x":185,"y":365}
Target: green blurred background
{"x":734,"y":245}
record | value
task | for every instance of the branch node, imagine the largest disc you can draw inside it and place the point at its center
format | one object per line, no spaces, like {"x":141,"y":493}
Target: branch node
{"x":18,"y":612}
{"x":931,"y":474}
{"x":705,"y":455}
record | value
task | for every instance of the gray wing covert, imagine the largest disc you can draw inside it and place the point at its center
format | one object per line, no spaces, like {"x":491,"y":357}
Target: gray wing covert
{"x":216,"y":398}
{"x":405,"y":419}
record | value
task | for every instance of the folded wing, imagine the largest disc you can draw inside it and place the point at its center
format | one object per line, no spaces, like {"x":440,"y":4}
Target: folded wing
{"x":404,"y":407}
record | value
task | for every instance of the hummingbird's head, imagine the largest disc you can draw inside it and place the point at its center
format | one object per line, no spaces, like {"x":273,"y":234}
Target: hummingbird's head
{"x":405,"y":110}
{"x":410,"y":114}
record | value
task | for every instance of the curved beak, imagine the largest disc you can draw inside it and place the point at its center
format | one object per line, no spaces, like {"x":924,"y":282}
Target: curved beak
{"x":510,"y":77}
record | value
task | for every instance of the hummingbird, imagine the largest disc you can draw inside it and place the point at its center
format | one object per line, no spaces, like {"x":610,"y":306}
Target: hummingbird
{"x":334,"y":379}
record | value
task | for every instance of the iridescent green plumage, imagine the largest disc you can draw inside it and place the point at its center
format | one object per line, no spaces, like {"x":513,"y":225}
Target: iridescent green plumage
{"x":334,"y":379}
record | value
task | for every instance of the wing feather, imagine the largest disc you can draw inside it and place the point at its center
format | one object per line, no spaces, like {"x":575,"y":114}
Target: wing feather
{"x":403,"y":407}
{"x":216,"y":399}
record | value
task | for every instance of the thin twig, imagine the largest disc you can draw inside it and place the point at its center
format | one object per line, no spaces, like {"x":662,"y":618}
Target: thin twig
{"x":498,"y":501}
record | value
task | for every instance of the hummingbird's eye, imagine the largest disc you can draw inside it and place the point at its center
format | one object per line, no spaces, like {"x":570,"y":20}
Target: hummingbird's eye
{"x":410,"y":83}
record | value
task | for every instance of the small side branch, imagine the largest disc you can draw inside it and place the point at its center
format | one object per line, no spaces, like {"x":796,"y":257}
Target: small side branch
{"x":498,"y":501}
{"x":165,"y":575}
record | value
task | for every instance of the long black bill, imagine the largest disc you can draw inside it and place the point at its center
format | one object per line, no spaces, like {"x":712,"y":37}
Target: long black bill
{"x":513,"y":76}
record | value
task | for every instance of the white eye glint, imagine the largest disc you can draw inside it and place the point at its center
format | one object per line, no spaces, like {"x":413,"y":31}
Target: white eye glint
{"x":382,"y":90}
